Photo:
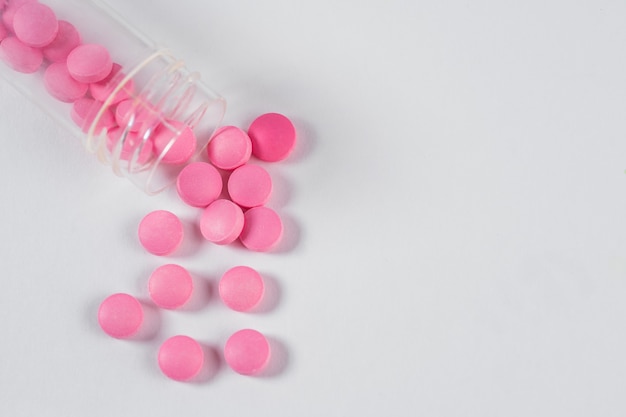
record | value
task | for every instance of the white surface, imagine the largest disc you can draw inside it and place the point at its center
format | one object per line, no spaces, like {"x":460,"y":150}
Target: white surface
{"x":456,"y":201}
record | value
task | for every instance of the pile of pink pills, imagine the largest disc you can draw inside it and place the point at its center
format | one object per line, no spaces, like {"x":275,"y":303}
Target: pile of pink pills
{"x":102,"y":99}
{"x":34,"y":41}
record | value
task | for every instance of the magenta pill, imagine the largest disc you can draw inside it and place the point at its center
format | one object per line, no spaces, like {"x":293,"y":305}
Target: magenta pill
{"x":247,"y":352}
{"x":89,"y":63}
{"x":19,"y":56}
{"x":181,"y":358}
{"x":160,"y":232}
{"x":170,"y":286}
{"x":60,"y":84}
{"x":66,"y":40}
{"x":273,"y":137}
{"x":199,"y":184}
{"x":176,"y":143}
{"x":120,"y":315}
{"x":221,"y":222}
{"x":35,"y":24}
{"x":250,"y":186}
{"x":262,"y":229}
{"x":229,"y":148}
{"x":241,"y":288}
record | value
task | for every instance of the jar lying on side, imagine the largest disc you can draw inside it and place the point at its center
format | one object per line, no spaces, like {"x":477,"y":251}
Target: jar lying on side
{"x":137,"y":107}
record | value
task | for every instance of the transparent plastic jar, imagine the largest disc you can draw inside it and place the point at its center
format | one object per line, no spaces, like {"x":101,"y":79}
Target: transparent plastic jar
{"x":164,"y":97}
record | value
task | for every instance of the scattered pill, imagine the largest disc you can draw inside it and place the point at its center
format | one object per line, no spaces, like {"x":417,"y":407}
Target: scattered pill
{"x":60,"y":84}
{"x":160,"y":232}
{"x":180,"y":358}
{"x":89,"y":63}
{"x":250,"y":186}
{"x":273,"y":137}
{"x":262,"y":229}
{"x":85,"y":110}
{"x":66,"y":40}
{"x":241,"y":288}
{"x":229,"y":148}
{"x":199,"y":184}
{"x":132,"y":144}
{"x":247,"y":352}
{"x":102,"y":90}
{"x":19,"y":56}
{"x":170,"y":286}
{"x":120,"y":315}
{"x":35,"y":24}
{"x":175,"y":142}
{"x":221,"y":222}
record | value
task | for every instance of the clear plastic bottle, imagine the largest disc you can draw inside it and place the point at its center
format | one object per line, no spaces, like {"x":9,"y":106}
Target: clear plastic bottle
{"x":164,"y":98}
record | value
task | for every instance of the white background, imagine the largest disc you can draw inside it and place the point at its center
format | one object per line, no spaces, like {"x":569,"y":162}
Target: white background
{"x":456,"y":243}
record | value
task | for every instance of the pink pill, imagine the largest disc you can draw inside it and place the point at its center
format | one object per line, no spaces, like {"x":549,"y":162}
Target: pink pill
{"x":181,"y":358}
{"x":19,"y":56}
{"x":247,"y":352}
{"x":250,"y":186}
{"x":120,"y":315}
{"x":273,"y":137}
{"x":89,"y":63}
{"x":160,"y":232}
{"x":170,"y":286}
{"x":241,"y":288}
{"x":199,"y":184}
{"x":176,"y":142}
{"x":35,"y":24}
{"x":133,"y":143}
{"x":262,"y":229}
{"x":60,"y":84}
{"x":66,"y":40}
{"x":221,"y":222}
{"x":229,"y":148}
{"x":102,"y":90}
{"x":84,"y":112}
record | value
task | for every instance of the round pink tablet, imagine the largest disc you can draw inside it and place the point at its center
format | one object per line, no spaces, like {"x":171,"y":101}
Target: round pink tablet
{"x":83,"y":112}
{"x":221,"y":222}
{"x":120,"y":315}
{"x":66,"y":40}
{"x":89,"y":63}
{"x":128,"y":111}
{"x":160,"y":232}
{"x":229,"y":148}
{"x":181,"y":358}
{"x":250,"y":186}
{"x":132,"y":142}
{"x":273,"y":137}
{"x":19,"y":56}
{"x":241,"y":288}
{"x":60,"y":84}
{"x":199,"y":184}
{"x":262,"y":229}
{"x":103,"y":89}
{"x":247,"y":352}
{"x":178,"y":151}
{"x":35,"y":24}
{"x":170,"y":286}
